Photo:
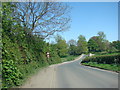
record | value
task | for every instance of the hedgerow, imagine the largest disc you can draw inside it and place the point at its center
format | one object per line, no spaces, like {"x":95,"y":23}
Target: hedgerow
{"x":22,"y":53}
{"x":22,"y":58}
{"x":105,"y":59}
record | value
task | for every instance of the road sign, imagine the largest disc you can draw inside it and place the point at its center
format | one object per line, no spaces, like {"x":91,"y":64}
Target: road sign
{"x":48,"y":54}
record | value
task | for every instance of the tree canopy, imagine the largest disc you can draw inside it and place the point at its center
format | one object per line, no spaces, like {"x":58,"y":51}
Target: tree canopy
{"x":61,"y":46}
{"x":82,"y":44}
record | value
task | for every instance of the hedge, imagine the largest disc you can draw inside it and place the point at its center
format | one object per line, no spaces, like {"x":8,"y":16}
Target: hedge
{"x":103,"y":59}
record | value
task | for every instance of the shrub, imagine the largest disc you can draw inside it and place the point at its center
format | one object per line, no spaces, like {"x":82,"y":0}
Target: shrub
{"x":106,"y":59}
{"x":10,"y":74}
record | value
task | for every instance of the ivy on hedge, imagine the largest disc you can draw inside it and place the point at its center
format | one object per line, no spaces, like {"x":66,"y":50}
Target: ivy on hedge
{"x":10,"y":74}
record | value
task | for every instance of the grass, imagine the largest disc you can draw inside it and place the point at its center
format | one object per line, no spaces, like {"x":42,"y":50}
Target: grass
{"x":68,"y":58}
{"x":28,"y":71}
{"x":112,"y":67}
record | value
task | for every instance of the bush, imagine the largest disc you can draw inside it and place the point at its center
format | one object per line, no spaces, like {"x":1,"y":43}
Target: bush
{"x":105,"y":59}
{"x":11,"y":74}
{"x":24,"y":56}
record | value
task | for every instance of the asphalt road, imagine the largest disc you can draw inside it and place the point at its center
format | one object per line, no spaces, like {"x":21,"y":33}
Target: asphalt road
{"x":74,"y":75}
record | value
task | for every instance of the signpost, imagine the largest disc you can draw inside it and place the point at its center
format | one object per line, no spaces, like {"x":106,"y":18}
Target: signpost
{"x":48,"y":55}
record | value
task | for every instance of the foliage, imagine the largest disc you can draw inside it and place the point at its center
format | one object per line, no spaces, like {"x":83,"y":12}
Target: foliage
{"x":104,"y":59}
{"x":54,"y":57}
{"x":73,"y":50}
{"x":72,"y":47}
{"x":112,"y":67}
{"x":61,"y":46}
{"x":82,"y":45}
{"x":116,"y":44}
{"x":72,"y":42}
{"x":102,"y":36}
{"x":11,"y":74}
{"x":98,"y":43}
{"x":92,"y":45}
{"x":22,"y":53}
{"x":109,"y":61}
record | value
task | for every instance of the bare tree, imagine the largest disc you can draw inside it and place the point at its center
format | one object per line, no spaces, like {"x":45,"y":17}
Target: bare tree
{"x":42,"y":18}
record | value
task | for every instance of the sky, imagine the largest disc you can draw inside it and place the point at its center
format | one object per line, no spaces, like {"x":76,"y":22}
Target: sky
{"x":88,"y":18}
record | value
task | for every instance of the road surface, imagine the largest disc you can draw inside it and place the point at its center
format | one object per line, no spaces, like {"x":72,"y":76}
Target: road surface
{"x":73,"y":75}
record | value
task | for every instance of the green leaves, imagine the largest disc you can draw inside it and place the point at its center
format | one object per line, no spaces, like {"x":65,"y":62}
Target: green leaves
{"x":82,"y":45}
{"x":23,"y":53}
{"x":61,"y":46}
{"x":104,"y":59}
{"x":10,"y":73}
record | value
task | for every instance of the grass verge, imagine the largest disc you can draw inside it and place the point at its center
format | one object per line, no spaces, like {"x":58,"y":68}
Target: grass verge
{"x":112,"y":67}
{"x":69,"y":58}
{"x":29,"y":70}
